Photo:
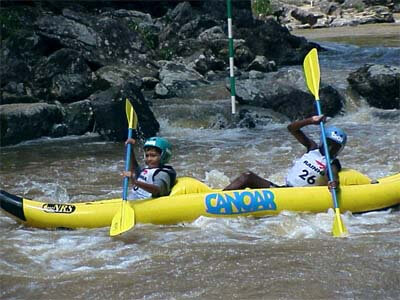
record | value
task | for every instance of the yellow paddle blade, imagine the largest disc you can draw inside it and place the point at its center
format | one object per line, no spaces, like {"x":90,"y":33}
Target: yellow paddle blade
{"x":131,"y":115}
{"x":123,"y":220}
{"x":311,"y":71}
{"x":338,"y":229}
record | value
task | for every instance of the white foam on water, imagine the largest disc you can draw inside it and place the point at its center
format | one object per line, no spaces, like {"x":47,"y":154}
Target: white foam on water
{"x":290,"y":225}
{"x":216,"y":179}
{"x":73,"y":251}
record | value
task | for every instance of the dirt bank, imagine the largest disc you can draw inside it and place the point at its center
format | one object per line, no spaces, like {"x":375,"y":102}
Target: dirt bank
{"x":387,"y":34}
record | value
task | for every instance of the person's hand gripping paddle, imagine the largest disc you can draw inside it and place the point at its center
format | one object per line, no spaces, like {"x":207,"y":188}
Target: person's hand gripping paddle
{"x":312,"y":74}
{"x":124,"y":219}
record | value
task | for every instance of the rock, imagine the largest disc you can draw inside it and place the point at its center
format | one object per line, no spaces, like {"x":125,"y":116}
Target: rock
{"x":182,"y":13}
{"x":98,"y":39}
{"x":389,"y":115}
{"x":207,"y":62}
{"x":250,"y":118}
{"x":109,"y":112}
{"x":58,"y":130}
{"x":14,"y":92}
{"x":78,"y":117}
{"x":178,"y":78}
{"x":285,"y":93}
{"x":256,"y":74}
{"x":142,"y":23}
{"x":331,"y":9}
{"x":63,"y":76}
{"x":161,"y":91}
{"x":378,"y":84}
{"x":356,"y":4}
{"x":243,"y":54}
{"x":261,"y":63}
{"x":116,"y":75}
{"x":19,"y":55}
{"x":273,"y":41}
{"x":340,"y":22}
{"x":378,"y":14}
{"x":213,"y":33}
{"x":264,"y":116}
{"x":149,"y":83}
{"x":20,"y":122}
{"x":334,"y":13}
{"x":246,"y":119}
{"x":219,"y":121}
{"x":305,"y":17}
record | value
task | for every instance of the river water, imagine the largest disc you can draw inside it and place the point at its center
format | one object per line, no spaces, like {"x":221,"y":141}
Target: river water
{"x":289,"y":256}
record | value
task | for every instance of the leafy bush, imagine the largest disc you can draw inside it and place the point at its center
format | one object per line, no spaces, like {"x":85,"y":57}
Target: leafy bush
{"x":10,"y":23}
{"x":261,"y":7}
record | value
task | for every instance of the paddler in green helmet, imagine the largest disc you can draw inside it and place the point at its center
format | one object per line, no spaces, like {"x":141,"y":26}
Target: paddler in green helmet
{"x":156,"y":178}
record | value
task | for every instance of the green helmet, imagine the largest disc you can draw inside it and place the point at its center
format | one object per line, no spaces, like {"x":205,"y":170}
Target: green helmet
{"x":161,"y":144}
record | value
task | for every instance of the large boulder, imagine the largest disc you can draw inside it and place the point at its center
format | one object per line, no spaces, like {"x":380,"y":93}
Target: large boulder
{"x":274,"y":41}
{"x":19,"y":54}
{"x":97,"y":38}
{"x":63,"y":76}
{"x":109,"y":112}
{"x":260,"y":63}
{"x":116,"y":75}
{"x":20,"y":122}
{"x":78,"y":117}
{"x":285,"y":92}
{"x":177,"y":79}
{"x":305,"y":17}
{"x":378,"y":84}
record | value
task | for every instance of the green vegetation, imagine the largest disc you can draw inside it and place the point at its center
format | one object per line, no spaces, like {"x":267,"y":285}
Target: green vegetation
{"x":151,"y":41}
{"x":149,"y":38}
{"x":165,"y":53}
{"x":359,"y":7}
{"x":10,"y":22}
{"x":261,"y":8}
{"x":14,"y":19}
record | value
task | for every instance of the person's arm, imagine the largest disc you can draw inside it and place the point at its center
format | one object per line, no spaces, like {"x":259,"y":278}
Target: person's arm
{"x":151,"y":188}
{"x":295,"y":129}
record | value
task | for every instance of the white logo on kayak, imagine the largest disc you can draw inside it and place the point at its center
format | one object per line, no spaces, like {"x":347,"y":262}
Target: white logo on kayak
{"x":58,"y":208}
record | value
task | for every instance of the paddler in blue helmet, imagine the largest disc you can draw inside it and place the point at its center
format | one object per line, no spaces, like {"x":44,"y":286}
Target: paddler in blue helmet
{"x":156,"y":178}
{"x":310,"y":169}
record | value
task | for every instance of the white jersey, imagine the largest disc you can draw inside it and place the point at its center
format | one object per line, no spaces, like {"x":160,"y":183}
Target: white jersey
{"x":163,"y":177}
{"x":309,"y":170}
{"x":146,"y":175}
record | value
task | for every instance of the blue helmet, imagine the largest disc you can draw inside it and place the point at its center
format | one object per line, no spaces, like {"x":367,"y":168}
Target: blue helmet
{"x":337,"y":135}
{"x":161,"y":144}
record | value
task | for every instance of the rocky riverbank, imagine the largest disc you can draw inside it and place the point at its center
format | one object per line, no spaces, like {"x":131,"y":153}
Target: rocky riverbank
{"x":333,"y":13}
{"x":67,"y":68}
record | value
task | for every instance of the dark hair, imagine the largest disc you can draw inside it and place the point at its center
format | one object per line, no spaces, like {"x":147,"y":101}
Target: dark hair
{"x":153,"y":148}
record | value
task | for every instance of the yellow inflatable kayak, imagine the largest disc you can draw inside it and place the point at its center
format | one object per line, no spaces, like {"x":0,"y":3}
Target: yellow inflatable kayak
{"x":191,"y":199}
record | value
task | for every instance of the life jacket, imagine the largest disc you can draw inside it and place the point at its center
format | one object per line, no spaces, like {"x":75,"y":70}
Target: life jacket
{"x":309,"y":170}
{"x":170,"y":171}
{"x":147,"y":175}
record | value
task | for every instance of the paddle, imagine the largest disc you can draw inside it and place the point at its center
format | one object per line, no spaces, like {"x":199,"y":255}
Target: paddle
{"x":312,"y":74}
{"x":124,"y":219}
